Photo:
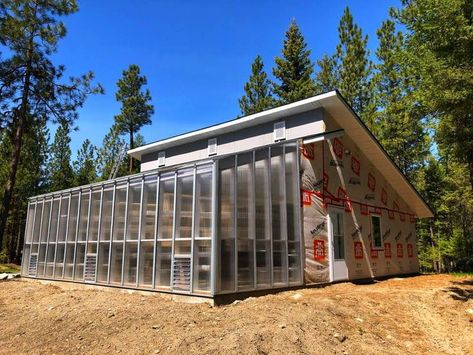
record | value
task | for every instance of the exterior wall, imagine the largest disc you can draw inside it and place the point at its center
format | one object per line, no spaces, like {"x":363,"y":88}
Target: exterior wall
{"x":297,"y":126}
{"x":336,"y":174}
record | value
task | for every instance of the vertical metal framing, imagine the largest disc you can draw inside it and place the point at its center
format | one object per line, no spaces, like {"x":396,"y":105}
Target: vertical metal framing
{"x":194,"y":184}
{"x":25,"y":239}
{"x":173,"y":231}
{"x":57,"y":232}
{"x":39,"y":235}
{"x":77,"y":233}
{"x":125,"y":230}
{"x":284,"y":212}
{"x":300,"y":216}
{"x":214,"y":244}
{"x":235,"y":220}
{"x":67,"y":234}
{"x":153,"y":282}
{"x":253,"y":213}
{"x":270,"y":211}
{"x":47,"y":237}
{"x":97,"y":259}
{"x":112,"y":216}
{"x":87,"y":231}
{"x":140,"y":222}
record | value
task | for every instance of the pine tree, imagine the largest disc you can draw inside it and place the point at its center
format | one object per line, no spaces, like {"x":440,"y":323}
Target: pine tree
{"x":399,"y":121}
{"x":439,"y":48}
{"x":107,"y":154}
{"x":136,"y":108}
{"x":30,"y":31}
{"x":354,"y":67}
{"x":294,"y":68}
{"x":326,"y":78}
{"x":85,"y":171}
{"x":258,"y":94}
{"x":59,"y":166}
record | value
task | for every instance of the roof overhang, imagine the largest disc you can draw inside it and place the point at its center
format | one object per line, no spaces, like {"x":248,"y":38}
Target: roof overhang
{"x":343,"y":115}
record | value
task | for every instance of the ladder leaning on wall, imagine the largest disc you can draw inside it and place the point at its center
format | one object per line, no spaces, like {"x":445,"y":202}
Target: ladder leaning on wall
{"x":118,"y":161}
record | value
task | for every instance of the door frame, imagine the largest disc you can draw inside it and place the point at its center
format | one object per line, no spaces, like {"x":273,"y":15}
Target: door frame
{"x":330,"y":210}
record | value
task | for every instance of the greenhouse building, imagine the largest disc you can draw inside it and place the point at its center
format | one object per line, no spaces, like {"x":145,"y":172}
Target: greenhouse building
{"x":295,"y":195}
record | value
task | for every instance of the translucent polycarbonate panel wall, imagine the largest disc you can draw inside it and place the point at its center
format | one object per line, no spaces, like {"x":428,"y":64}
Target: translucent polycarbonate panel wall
{"x":259,"y":234}
{"x":151,"y":230}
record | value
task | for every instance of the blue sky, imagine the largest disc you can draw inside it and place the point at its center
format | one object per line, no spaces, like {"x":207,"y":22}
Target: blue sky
{"x":195,"y":54}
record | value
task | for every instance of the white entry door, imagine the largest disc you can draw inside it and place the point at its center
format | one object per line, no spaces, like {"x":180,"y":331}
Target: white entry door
{"x":338,"y":269}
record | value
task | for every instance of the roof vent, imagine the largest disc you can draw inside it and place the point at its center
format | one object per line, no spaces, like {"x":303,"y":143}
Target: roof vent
{"x":212,"y":147}
{"x":161,"y":159}
{"x":279,"y":131}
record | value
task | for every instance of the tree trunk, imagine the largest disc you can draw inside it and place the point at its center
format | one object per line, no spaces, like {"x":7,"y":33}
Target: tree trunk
{"x":15,"y":155}
{"x":130,"y":169}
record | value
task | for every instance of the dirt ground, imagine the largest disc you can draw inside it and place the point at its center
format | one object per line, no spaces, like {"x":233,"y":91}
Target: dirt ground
{"x":422,"y":314}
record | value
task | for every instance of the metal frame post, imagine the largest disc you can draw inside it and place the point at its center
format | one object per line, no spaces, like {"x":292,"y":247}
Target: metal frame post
{"x":79,"y":204}
{"x":125,"y":231}
{"x":140,"y":221}
{"x":112,"y":216}
{"x":156,"y":219}
{"x":99,"y":226}
{"x":47,"y":237}
{"x":67,"y":233}
{"x":57,"y":232}
{"x":214,"y":240}
{"x":173,"y":231}
{"x":194,"y":184}
{"x":300,"y":217}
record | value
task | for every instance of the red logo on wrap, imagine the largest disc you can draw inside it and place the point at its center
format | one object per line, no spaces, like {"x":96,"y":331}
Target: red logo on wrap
{"x":338,"y":148}
{"x":410,"y":250}
{"x":355,"y":165}
{"x":400,"y":251}
{"x":391,"y":214}
{"x":308,"y":150}
{"x":364,"y":209}
{"x":371,"y":182}
{"x":319,"y":249}
{"x":402,"y":216}
{"x":306,"y":200}
{"x":387,"y":250}
{"x":342,"y":194}
{"x":358,"y":248}
{"x":384,"y":197}
{"x":373,"y":252}
{"x":413,"y":218}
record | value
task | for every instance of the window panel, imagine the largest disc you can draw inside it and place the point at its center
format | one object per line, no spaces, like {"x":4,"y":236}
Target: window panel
{"x":149,"y":208}
{"x":69,"y":261}
{"x":61,"y":235}
{"x":37,"y":221}
{"x":72,"y":226}
{"x":59,"y":260}
{"x":50,"y":260}
{"x":166,"y":207}
{"x":202,"y":260}
{"x":106,"y":221}
{"x":131,"y":260}
{"x":45,"y":224}
{"x":84,"y":216}
{"x":226,"y":228}
{"x":184,"y":205}
{"x":245,"y":220}
{"x":146,"y":264}
{"x":376,"y":232}
{"x":94,"y":215}
{"x":41,"y":260}
{"x":134,"y":207}
{"x":163,"y":264}
{"x":54,"y":220}
{"x":29,"y":224}
{"x":119,"y":213}
{"x":116,"y":263}
{"x":80,"y":258}
{"x":102,"y":266}
{"x":203,"y":206}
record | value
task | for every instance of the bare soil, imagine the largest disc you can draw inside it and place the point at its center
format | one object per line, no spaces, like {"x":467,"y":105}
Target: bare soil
{"x":422,"y":314}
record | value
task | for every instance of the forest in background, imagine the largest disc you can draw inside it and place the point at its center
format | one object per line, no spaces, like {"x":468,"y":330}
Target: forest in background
{"x":415,"y":93}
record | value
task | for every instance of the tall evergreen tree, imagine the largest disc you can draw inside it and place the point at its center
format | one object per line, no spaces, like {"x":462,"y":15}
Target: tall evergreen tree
{"x":258,"y":94}
{"x":30,"y":31}
{"x":109,"y":152}
{"x":85,"y":171}
{"x":136,"y":110}
{"x":399,"y":121}
{"x":32,"y":179}
{"x":294,"y":68}
{"x":354,"y":67}
{"x":59,"y":166}
{"x":440,"y":46}
{"x":326,"y":79}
